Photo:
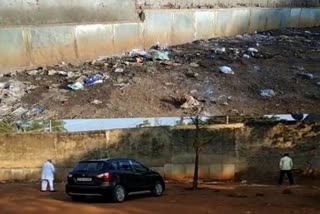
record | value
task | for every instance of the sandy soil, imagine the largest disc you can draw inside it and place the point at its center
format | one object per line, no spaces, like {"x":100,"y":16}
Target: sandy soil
{"x":158,"y":88}
{"x":214,"y":199}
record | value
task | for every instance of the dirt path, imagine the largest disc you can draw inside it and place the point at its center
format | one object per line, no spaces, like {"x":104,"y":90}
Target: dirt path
{"x":226,"y":199}
{"x":287,"y":62}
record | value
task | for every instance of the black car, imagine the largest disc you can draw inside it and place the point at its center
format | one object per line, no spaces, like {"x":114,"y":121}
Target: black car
{"x":117,"y":178}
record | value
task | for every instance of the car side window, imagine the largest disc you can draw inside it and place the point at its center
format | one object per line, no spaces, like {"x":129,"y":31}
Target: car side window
{"x":114,"y":166}
{"x":138,"y":167}
{"x":125,"y":165}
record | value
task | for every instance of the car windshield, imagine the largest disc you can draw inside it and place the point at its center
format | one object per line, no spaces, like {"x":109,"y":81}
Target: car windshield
{"x":89,"y":166}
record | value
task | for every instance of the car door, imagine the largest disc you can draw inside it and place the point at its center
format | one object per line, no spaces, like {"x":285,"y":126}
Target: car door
{"x":128,"y":175}
{"x":142,"y":175}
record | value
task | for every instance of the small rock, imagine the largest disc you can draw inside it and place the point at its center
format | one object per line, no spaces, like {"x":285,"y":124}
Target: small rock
{"x":244,"y":182}
{"x":193,"y":91}
{"x":225,"y":103}
{"x":169,"y":84}
{"x":52,"y":72}
{"x":190,"y":102}
{"x":97,"y":102}
{"x":71,"y":74}
{"x":193,"y":64}
{"x":287,"y":191}
{"x":120,"y":80}
{"x":318,"y":83}
{"x":247,"y":212}
{"x":119,"y":70}
{"x":190,"y":73}
{"x":136,"y":79}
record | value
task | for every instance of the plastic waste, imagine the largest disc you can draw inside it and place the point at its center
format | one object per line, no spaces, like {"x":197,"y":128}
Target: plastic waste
{"x":119,"y":70}
{"x":226,"y":70}
{"x":267,"y":92}
{"x":76,"y":86}
{"x":94,"y":79}
{"x":246,"y":56}
{"x":138,"y":52}
{"x":159,"y":55}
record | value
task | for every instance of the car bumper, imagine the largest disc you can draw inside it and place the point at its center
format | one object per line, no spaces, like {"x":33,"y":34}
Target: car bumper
{"x":79,"y":190}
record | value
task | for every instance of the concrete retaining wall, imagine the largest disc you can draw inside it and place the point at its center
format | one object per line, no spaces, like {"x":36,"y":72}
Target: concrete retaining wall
{"x":29,"y":46}
{"x":226,"y":3}
{"x":44,"y":12}
{"x":234,"y":152}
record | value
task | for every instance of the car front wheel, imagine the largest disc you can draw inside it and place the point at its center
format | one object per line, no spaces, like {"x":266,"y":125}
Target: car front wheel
{"x":158,"y":189}
{"x":119,"y":194}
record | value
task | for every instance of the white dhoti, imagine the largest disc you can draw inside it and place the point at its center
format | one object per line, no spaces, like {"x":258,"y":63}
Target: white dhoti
{"x":47,"y":176}
{"x":44,"y":185}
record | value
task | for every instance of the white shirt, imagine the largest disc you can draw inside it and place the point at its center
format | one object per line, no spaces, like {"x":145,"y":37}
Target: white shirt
{"x":286,"y":163}
{"x":48,"y":171}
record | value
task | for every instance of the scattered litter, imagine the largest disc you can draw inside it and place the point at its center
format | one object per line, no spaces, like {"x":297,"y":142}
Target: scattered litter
{"x":138,"y":53}
{"x":76,"y":86}
{"x":220,"y":50}
{"x":226,"y":70}
{"x":32,"y":72}
{"x":3,"y":85}
{"x":97,"y":102}
{"x":19,"y":111}
{"x":94,"y":79}
{"x":254,"y":50}
{"x":139,"y":60}
{"x":159,"y":55}
{"x":54,"y":72}
{"x":246,"y":56}
{"x":190,"y":102}
{"x":306,"y":75}
{"x":119,"y":70}
{"x":267,"y":92}
{"x":193,"y":64}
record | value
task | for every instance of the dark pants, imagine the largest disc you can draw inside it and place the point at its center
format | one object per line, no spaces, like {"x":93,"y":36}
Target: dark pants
{"x":288,"y":173}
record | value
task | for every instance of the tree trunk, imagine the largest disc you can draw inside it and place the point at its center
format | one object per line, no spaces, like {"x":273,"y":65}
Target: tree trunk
{"x":196,"y":170}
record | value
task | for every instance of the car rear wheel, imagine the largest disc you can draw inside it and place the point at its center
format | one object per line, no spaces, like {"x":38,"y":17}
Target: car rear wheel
{"x":119,"y":194}
{"x":158,"y":189}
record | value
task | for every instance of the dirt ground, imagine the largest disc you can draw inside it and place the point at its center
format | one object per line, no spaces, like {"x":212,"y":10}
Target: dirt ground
{"x":287,"y":62}
{"x":222,"y":198}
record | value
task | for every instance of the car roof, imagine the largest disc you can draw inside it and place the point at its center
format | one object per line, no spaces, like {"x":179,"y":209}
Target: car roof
{"x":105,"y":159}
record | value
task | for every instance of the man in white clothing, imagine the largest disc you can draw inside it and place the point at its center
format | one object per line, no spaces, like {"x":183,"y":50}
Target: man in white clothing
{"x":47,"y":176}
{"x":286,"y":165}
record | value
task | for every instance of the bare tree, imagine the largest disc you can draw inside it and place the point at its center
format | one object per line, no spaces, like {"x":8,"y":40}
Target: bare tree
{"x":202,"y":136}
